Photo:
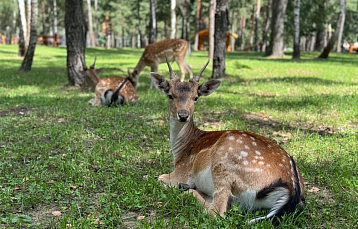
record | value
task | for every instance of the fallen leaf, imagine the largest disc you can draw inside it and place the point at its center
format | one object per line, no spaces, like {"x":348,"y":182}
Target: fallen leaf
{"x":60,"y":120}
{"x":313,"y":189}
{"x":56,"y":213}
{"x":140,"y":217}
{"x":17,"y":188}
{"x":72,"y":187}
{"x":97,"y":221}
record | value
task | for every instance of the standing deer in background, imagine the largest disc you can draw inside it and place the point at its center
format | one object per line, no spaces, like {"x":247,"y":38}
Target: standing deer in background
{"x":226,"y":167}
{"x":154,"y":54}
{"x":113,"y":90}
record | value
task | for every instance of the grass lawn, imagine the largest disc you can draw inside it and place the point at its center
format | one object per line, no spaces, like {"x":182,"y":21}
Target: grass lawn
{"x":66,"y":164}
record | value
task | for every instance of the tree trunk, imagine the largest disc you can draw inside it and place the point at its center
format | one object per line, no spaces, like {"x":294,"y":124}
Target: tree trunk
{"x":340,"y":29}
{"x":257,"y":15}
{"x":139,"y":42}
{"x":320,"y":29}
{"x":55,"y":17}
{"x":277,"y":28}
{"x":27,"y":62}
{"x":266,"y":26}
{"x":49,"y":15}
{"x":197,"y":23}
{"x":296,"y":41}
{"x":123,"y":41}
{"x":43,"y":18}
{"x":23,"y":29}
{"x":153,"y":23}
{"x":173,"y":20}
{"x":14,"y":20}
{"x":340,"y":24}
{"x":187,"y":19}
{"x":90,"y":25}
{"x":233,"y":26}
{"x":252,"y":26}
{"x":242,"y":31}
{"x":212,"y":28}
{"x":133,"y":38}
{"x":96,"y":18}
{"x":75,"y":41}
{"x":221,"y":24}
{"x":28,"y":15}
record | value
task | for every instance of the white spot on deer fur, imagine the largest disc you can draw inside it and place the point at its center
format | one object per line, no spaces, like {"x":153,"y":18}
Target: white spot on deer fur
{"x":254,"y":143}
{"x":244,"y":135}
{"x":252,"y":138}
{"x":221,"y":148}
{"x":225,"y":157}
{"x":269,"y":146}
{"x":257,"y":152}
{"x":261,"y":162}
{"x":246,"y":147}
{"x":279,"y":164}
{"x":239,"y":157}
{"x":239,"y":141}
{"x":268,"y":165}
{"x":231,"y":138}
{"x":243,"y":153}
{"x":245,"y":162}
{"x":290,"y":162}
{"x":253,"y":161}
{"x":231,"y":149}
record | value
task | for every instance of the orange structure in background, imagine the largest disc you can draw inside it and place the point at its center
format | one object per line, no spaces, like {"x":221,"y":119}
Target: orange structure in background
{"x":353,"y":48}
{"x":205,"y":33}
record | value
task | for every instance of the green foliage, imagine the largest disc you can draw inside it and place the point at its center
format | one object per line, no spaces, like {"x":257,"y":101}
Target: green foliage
{"x":100,"y":165}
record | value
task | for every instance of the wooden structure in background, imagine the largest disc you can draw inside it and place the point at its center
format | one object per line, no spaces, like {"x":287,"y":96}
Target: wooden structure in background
{"x":45,"y":39}
{"x":205,"y":33}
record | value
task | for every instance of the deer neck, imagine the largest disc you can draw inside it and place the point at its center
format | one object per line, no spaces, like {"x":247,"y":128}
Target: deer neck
{"x":140,"y":65}
{"x":182,"y":136}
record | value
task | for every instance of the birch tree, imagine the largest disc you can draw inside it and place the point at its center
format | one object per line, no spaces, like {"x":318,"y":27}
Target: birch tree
{"x":173,"y":20}
{"x":27,"y":62}
{"x":296,"y":41}
{"x":211,"y":27}
{"x":23,"y":29}
{"x":90,"y":25}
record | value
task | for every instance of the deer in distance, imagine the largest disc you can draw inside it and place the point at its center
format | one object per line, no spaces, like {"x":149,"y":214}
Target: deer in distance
{"x":109,"y":91}
{"x":222,"y":168}
{"x":154,"y":54}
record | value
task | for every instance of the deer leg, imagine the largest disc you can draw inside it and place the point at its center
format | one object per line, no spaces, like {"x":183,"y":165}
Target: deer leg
{"x":181,"y":64}
{"x":153,"y":69}
{"x":188,"y":68}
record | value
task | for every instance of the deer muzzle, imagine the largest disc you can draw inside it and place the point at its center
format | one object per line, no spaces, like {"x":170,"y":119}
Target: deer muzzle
{"x":183,"y":115}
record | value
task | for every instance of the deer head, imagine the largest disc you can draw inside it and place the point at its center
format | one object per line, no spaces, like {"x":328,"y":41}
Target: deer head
{"x":183,"y":95}
{"x":91,"y":75}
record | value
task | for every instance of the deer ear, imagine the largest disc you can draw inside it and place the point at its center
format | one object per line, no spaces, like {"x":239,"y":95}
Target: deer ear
{"x":98,"y":71}
{"x":208,"y":87}
{"x":159,"y":82}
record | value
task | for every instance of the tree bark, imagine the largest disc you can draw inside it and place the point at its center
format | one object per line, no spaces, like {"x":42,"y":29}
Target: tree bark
{"x":90,"y":25}
{"x":75,"y":41}
{"x":139,"y":42}
{"x":277,"y":28}
{"x":153,"y":23}
{"x":233,"y":26}
{"x":212,"y":28}
{"x":23,"y":29}
{"x":296,"y":41}
{"x":333,"y":38}
{"x":28,"y":15}
{"x":197,"y":22}
{"x":266,"y":26}
{"x":221,"y":24}
{"x":96,"y":17}
{"x":55,"y":31}
{"x":341,"y":27}
{"x":43,"y":18}
{"x":27,"y":62}
{"x":257,"y":15}
{"x":252,"y":26}
{"x":320,"y":36}
{"x":173,"y":20}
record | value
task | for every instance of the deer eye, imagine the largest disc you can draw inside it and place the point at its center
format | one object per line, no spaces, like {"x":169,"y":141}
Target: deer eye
{"x":170,"y":97}
{"x":196,"y":98}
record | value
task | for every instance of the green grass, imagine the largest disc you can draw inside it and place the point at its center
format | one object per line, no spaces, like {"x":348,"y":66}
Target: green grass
{"x":57,"y":153}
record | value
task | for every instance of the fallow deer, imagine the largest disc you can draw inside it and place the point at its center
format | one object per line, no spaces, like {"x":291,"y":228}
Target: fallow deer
{"x":108,"y":91}
{"x":154,"y":54}
{"x":227,"y":167}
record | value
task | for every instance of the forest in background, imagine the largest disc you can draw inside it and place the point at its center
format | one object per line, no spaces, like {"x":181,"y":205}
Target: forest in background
{"x":130,"y":21}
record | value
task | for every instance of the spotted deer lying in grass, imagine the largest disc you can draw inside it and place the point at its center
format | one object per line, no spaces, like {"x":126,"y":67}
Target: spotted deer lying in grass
{"x":154,"y":54}
{"x":109,"y":91}
{"x":226,"y":167}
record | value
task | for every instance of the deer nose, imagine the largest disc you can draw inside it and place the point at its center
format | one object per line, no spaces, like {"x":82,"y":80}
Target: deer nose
{"x":183,"y":115}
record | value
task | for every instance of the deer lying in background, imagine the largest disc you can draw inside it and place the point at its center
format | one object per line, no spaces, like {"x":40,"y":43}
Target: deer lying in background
{"x":226,"y":167}
{"x":109,"y":91}
{"x":154,"y":54}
